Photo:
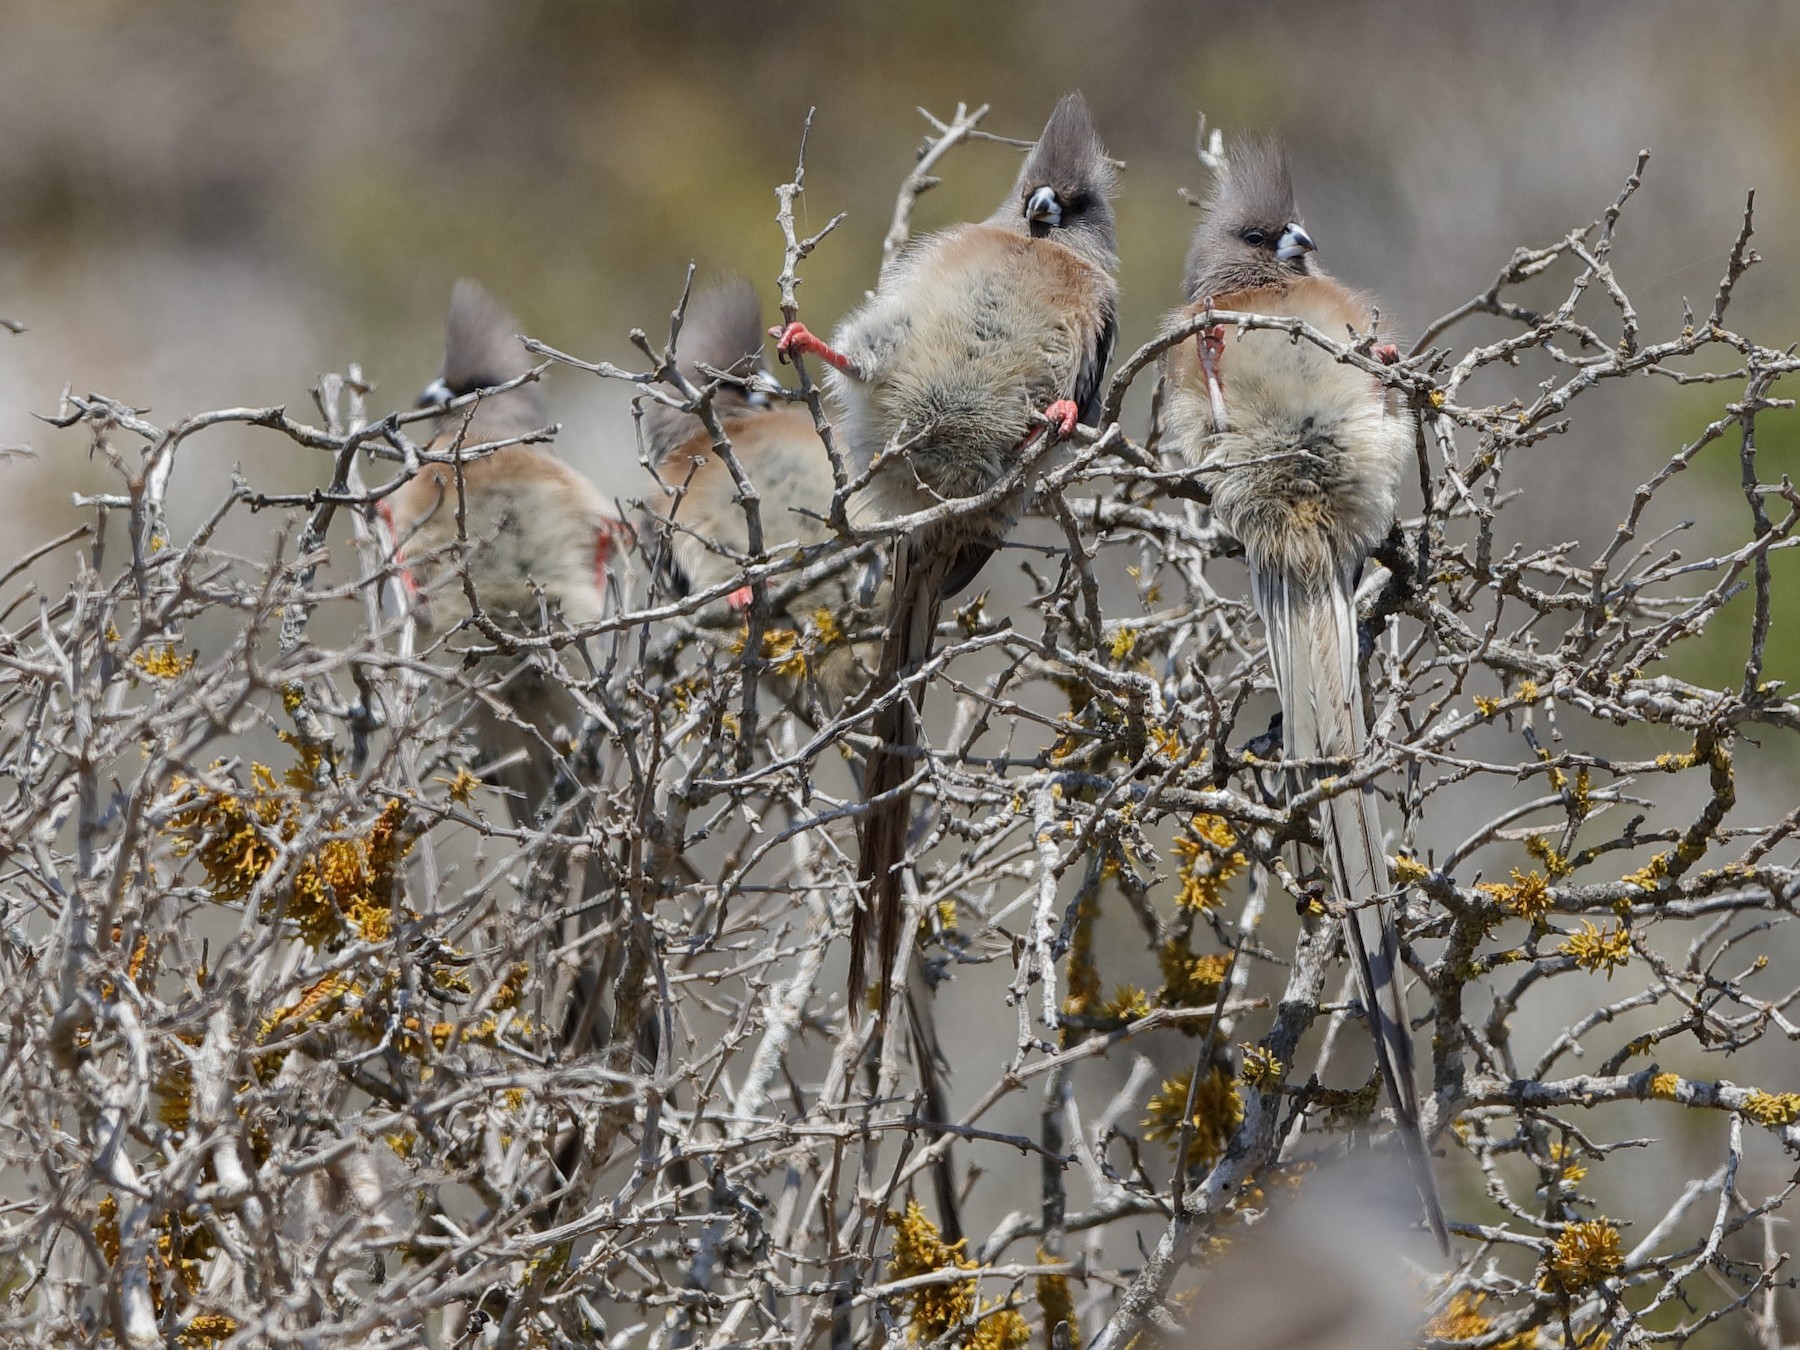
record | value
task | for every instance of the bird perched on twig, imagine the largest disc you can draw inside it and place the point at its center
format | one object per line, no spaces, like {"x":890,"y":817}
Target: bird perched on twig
{"x":532,"y":538}
{"x":981,"y":339}
{"x":1304,"y":459}
{"x":779,"y":452}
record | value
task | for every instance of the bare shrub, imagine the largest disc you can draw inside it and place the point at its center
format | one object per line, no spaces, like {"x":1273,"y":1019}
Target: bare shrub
{"x":284,"y":990}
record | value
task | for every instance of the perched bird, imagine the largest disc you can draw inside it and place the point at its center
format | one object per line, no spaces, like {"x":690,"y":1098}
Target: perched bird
{"x":533,"y":538}
{"x":779,"y":452}
{"x":1305,"y":459}
{"x":979,"y":340}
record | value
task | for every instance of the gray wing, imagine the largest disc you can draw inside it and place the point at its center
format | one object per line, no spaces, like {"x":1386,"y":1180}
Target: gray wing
{"x":1090,"y":380}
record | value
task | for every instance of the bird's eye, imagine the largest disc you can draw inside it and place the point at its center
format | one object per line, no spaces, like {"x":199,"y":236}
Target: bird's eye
{"x":1255,"y":238}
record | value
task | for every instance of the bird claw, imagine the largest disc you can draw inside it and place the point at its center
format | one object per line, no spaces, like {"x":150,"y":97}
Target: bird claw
{"x":795,"y":339}
{"x":1063,"y":417}
{"x":739,"y":600}
{"x":788,"y":336}
{"x":1387,"y":353}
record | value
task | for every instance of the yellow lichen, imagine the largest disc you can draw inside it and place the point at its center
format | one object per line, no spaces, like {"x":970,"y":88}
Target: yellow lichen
{"x":1582,"y":792}
{"x":237,"y":837}
{"x":1665,"y":1086}
{"x":183,"y":1245}
{"x":461,"y":788}
{"x":1209,"y":859}
{"x":1165,"y":741}
{"x":1218,"y":1111}
{"x":782,"y":648}
{"x":1464,"y":1320}
{"x":1189,"y":981}
{"x":312,"y":1001}
{"x":1773,"y":1108}
{"x":1527,"y":896}
{"x":1584,"y":1254}
{"x":1602,"y":952}
{"x":1650,"y":874}
{"x":826,"y":629}
{"x":1554,"y":863}
{"x":1408,"y":871}
{"x":1073,"y":736}
{"x":1566,"y":1163}
{"x":934,"y":1310}
{"x":1056,"y":1303}
{"x":1127,"y":1004}
{"x":164,"y":662}
{"x":206,"y":1330}
{"x":1260,"y":1069}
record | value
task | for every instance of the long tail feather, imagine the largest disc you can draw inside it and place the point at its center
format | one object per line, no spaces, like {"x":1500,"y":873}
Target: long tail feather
{"x":918,"y":587}
{"x":1313,"y":649}
{"x":929,"y":1059}
{"x":912,"y":621}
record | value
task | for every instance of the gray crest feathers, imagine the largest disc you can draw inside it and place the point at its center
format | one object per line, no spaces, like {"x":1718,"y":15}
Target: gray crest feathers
{"x":482,"y":349}
{"x":722,"y":329}
{"x":1255,"y":189}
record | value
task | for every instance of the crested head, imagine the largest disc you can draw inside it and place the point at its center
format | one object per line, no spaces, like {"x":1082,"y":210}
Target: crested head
{"x":481,"y":345}
{"x":482,"y":349}
{"x":1065,"y":189}
{"x":723,"y":330}
{"x":1250,"y":235}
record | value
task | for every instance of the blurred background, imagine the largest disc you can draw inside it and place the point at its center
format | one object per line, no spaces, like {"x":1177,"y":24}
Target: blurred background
{"x":208,"y":203}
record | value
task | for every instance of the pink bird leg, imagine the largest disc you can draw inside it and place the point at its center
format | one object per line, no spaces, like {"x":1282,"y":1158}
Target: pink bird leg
{"x":408,"y":583}
{"x":795,"y":339}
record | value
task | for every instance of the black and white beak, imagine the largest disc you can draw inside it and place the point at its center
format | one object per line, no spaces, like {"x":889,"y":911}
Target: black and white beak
{"x":1294,"y":243}
{"x":435,"y":392}
{"x":1044,"y":207}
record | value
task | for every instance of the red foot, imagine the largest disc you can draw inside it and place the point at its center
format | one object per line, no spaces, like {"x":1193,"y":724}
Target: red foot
{"x":408,"y":582}
{"x":1063,"y":417}
{"x":739,"y":600}
{"x":1387,"y":353}
{"x":795,"y":340}
{"x":611,"y":538}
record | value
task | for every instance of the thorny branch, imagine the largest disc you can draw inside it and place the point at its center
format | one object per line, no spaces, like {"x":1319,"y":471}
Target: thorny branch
{"x":279,"y":1064}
